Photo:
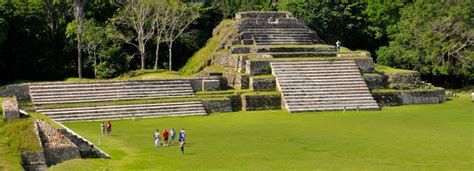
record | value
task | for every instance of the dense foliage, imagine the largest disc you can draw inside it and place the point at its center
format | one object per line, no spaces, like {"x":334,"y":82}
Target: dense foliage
{"x":38,"y":38}
{"x":434,"y":38}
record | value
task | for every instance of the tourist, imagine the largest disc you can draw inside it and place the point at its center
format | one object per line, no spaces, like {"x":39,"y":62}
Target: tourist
{"x":108,"y":126}
{"x":338,"y":45}
{"x":102,"y":128}
{"x":156,"y":136}
{"x":180,"y":137}
{"x":183,"y":134}
{"x":165,"y":137}
{"x":173,"y":135}
{"x":181,"y":145}
{"x":270,"y":21}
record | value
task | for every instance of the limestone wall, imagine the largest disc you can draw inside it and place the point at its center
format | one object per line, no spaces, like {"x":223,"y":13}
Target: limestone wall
{"x":208,"y":83}
{"x":266,"y":14}
{"x":261,"y":102}
{"x":86,"y":148}
{"x":215,"y":106}
{"x":21,"y":91}
{"x":237,"y":81}
{"x":262,"y":84}
{"x":11,"y":109}
{"x":374,"y":81}
{"x":236,"y":102}
{"x":365,"y":64}
{"x":57,"y":147}
{"x":410,"y":97}
{"x":34,"y":160}
{"x":258,"y":67}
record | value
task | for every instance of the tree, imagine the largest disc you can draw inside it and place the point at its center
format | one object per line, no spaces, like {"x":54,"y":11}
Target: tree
{"x":434,"y":38}
{"x":79,"y":16}
{"x":3,"y":30}
{"x":163,"y":12}
{"x":332,"y":20}
{"x":383,"y":16}
{"x":181,"y":17}
{"x":137,"y":15}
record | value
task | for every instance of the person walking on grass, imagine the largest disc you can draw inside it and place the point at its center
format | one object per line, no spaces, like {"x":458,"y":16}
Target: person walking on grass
{"x":156,"y":136}
{"x":183,"y":134}
{"x":108,"y":127}
{"x":165,"y":137}
{"x":181,"y":145}
{"x":172,"y":135}
{"x":102,"y":128}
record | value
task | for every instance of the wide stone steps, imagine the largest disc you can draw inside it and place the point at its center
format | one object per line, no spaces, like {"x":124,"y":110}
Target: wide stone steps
{"x":334,"y":108}
{"x":320,"y":85}
{"x":78,"y":92}
{"x":300,"y":54}
{"x":264,"y":49}
{"x":285,"y":42}
{"x":107,"y":112}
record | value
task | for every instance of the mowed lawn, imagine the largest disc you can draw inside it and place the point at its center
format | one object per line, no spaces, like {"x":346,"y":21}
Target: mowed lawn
{"x":421,"y":137}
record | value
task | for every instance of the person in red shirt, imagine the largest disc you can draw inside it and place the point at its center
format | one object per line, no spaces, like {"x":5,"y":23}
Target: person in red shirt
{"x":165,"y":137}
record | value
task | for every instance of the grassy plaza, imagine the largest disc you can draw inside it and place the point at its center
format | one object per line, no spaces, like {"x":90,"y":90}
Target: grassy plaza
{"x":422,"y":137}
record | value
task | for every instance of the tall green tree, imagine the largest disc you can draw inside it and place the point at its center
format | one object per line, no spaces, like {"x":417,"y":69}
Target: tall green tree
{"x":434,"y":38}
{"x":344,"y":20}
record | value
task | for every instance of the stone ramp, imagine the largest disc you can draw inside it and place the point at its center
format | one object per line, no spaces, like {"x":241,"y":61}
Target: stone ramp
{"x":124,"y":111}
{"x":78,"y":92}
{"x":322,"y":85}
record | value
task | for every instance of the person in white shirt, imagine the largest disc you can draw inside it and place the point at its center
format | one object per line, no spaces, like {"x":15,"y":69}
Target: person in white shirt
{"x":156,"y":135}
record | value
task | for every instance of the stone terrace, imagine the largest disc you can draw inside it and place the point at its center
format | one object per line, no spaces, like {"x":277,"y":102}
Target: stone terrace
{"x":52,"y":99}
{"x":321,"y":85}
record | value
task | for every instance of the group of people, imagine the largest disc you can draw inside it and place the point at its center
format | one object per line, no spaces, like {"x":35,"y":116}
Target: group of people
{"x":106,"y":129}
{"x":169,"y":137}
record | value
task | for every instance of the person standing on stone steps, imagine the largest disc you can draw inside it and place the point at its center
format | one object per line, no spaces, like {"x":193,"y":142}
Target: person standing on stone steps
{"x":108,"y":126}
{"x":102,"y":128}
{"x":338,"y":45}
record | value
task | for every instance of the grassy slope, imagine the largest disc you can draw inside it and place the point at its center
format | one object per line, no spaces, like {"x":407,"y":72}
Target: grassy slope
{"x":420,"y":137}
{"x":388,"y":70}
{"x":15,"y":137}
{"x":199,"y":59}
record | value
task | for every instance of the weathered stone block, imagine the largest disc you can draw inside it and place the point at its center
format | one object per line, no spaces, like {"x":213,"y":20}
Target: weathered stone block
{"x":21,"y":91}
{"x":33,"y":161}
{"x":10,"y":109}
{"x":236,"y":80}
{"x":236,"y":102}
{"x":365,"y":64}
{"x":57,"y":147}
{"x":258,"y":67}
{"x":86,"y":148}
{"x":209,"y":85}
{"x":262,"y":84}
{"x":404,"y":78}
{"x":410,"y":97}
{"x":214,"y":106}
{"x":374,"y":81}
{"x":261,"y":102}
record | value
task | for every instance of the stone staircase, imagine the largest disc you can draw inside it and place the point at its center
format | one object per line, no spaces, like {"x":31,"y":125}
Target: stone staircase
{"x":48,"y":97}
{"x":78,"y":92}
{"x":111,"y":112}
{"x":322,"y":85}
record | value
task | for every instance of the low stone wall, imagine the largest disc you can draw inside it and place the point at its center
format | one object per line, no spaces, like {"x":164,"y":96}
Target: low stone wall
{"x":11,"y":109}
{"x":208,"y":83}
{"x":410,"y":97}
{"x":374,"y":81}
{"x":216,"y":106}
{"x":258,"y":67}
{"x":262,"y":84}
{"x":86,"y":148}
{"x":237,"y":81}
{"x":260,"y":102}
{"x":365,"y":64}
{"x":266,"y":14}
{"x":236,"y":102}
{"x":234,"y":63}
{"x":57,"y":147}
{"x":21,"y":91}
{"x":403,"y":77}
{"x":34,"y":160}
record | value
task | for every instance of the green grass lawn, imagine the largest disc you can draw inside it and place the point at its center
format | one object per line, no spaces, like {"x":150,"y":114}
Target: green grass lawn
{"x":414,"y":137}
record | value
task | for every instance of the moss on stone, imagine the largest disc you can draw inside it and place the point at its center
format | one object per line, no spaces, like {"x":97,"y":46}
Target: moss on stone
{"x":388,"y":70}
